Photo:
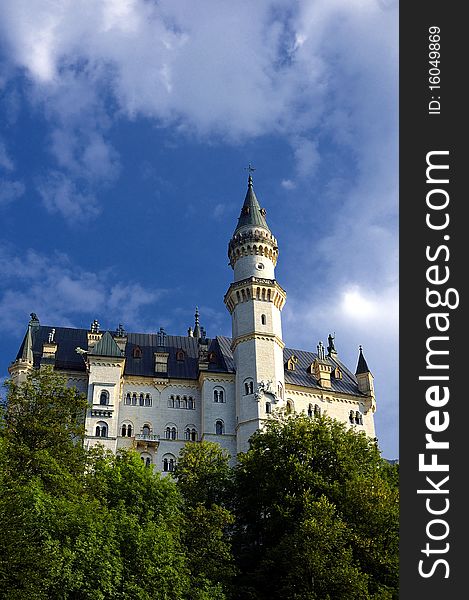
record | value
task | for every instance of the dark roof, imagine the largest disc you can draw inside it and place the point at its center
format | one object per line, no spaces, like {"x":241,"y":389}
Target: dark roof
{"x":106,"y":346}
{"x":362,"y":367}
{"x":251,"y":213}
{"x":143,"y":363}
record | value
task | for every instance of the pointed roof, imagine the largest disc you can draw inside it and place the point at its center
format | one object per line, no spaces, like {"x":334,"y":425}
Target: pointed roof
{"x":251,"y":213}
{"x":106,"y":346}
{"x":362,"y":367}
{"x":27,"y":353}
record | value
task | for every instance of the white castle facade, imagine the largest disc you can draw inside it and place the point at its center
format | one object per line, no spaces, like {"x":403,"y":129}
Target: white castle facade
{"x":157,"y":392}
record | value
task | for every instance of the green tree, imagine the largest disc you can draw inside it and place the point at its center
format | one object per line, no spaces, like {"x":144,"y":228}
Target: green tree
{"x":204,"y":479}
{"x":317,"y":514}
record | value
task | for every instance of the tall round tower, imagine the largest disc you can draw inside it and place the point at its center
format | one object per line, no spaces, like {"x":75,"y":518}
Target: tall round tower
{"x":255,"y":301}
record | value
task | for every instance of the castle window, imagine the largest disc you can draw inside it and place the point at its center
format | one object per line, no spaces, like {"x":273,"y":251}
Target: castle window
{"x":289,"y":407}
{"x":170,"y":432}
{"x":101,"y":429}
{"x":263,"y":319}
{"x":104,"y":398}
{"x":134,"y":399}
{"x":148,"y":401}
{"x":337,"y":373}
{"x":191,"y":403}
{"x":184,"y":402}
{"x":291,"y":362}
{"x":128,"y":399}
{"x":180,"y":355}
{"x":248,"y":387}
{"x":169,"y":462}
{"x":190,"y":433}
{"x":141,"y":400}
{"x":317,"y":411}
{"x":146,"y":459}
{"x":171,"y":402}
{"x":351,"y":417}
{"x":178,"y":402}
{"x":126,"y":430}
{"x":219,"y":395}
{"x":212,"y":357}
{"x":310,"y":410}
{"x":146,"y":429}
{"x":219,"y":427}
{"x":137,"y":352}
{"x":358,"y":418}
{"x":268,"y":408}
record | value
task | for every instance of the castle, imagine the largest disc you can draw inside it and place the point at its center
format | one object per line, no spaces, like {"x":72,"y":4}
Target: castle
{"x":155,"y":392}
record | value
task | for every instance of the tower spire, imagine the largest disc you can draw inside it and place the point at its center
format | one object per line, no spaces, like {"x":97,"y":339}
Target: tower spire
{"x":251,"y":213}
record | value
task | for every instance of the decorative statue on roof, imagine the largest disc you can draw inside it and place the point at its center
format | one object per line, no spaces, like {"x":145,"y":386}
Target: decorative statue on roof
{"x":331,"y":347}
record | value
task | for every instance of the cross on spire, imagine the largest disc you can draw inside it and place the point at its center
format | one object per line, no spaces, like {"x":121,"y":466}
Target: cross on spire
{"x":250,"y":169}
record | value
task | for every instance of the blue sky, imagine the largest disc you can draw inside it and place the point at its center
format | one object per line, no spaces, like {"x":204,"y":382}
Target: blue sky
{"x":125,"y":130}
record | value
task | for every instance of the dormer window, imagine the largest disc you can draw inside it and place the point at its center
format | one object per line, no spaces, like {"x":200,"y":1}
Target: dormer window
{"x":137,"y":352}
{"x":337,"y":373}
{"x":212,"y":357}
{"x":291,"y":362}
{"x":180,"y":355}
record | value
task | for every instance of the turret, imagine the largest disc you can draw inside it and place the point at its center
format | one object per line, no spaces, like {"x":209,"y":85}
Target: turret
{"x":255,"y":301}
{"x":25,"y":360}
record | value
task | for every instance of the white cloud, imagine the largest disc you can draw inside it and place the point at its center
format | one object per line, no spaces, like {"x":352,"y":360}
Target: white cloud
{"x":64,"y":294}
{"x":288,"y":184}
{"x":235,"y":69}
{"x":60,"y":195}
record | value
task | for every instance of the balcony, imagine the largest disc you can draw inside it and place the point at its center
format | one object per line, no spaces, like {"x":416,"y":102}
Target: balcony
{"x":145,"y":441}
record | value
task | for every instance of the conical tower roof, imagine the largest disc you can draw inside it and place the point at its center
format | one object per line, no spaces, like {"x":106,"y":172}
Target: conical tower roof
{"x":362,"y":367}
{"x":251,"y":213}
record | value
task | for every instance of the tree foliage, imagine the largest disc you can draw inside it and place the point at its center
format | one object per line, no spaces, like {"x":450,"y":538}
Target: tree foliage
{"x":310,"y":512}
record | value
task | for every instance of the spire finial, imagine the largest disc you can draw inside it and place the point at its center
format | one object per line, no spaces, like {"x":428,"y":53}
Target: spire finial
{"x":250,"y":169}
{"x":197,"y":330}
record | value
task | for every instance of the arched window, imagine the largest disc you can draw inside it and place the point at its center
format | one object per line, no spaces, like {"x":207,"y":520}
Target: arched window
{"x":178,"y":402}
{"x":101,"y":429}
{"x":134,"y":399}
{"x":268,"y":408}
{"x":171,"y":432}
{"x":289,"y":407}
{"x":146,"y":429}
{"x":146,"y":459}
{"x":191,"y":403}
{"x":184,"y":402}
{"x":148,"y":401}
{"x":358,"y":418}
{"x":128,"y":399}
{"x":317,"y":411}
{"x":193,"y":435}
{"x":169,"y":462}
{"x":180,"y":355}
{"x":248,"y":387}
{"x":171,"y":402}
{"x":219,"y":427}
{"x":263,"y":319}
{"x":219,"y":395}
{"x":104,"y":397}
{"x":310,"y":410}
{"x":351,"y":417}
{"x":137,"y":352}
{"x":141,"y":400}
